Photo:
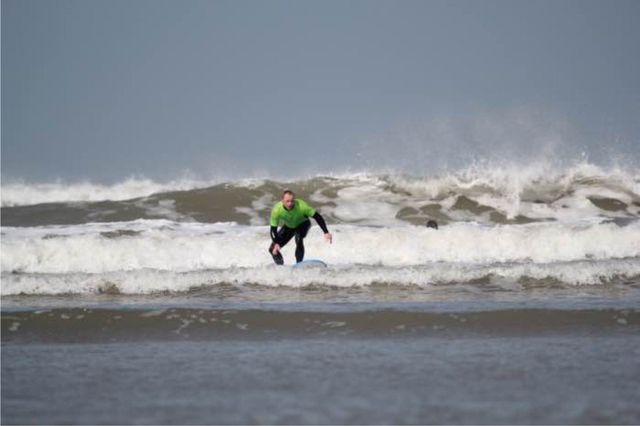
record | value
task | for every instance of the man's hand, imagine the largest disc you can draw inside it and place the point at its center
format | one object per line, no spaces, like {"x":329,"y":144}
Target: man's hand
{"x":276,"y":249}
{"x":328,"y":237}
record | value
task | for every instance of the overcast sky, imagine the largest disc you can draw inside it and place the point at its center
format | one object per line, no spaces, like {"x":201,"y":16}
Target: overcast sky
{"x":106,"y":89}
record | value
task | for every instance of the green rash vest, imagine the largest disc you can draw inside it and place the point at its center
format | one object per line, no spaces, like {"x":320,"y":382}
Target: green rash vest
{"x":300,"y":212}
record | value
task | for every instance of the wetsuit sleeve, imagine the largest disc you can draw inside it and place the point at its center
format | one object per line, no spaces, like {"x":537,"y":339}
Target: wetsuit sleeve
{"x":321,"y":222}
{"x":274,"y":233}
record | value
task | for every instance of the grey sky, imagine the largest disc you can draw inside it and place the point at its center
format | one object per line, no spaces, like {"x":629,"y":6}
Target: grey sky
{"x":103,"y":90}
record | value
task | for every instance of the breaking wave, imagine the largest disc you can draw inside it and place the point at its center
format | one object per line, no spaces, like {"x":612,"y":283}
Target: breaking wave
{"x":509,"y":194}
{"x":144,"y":256}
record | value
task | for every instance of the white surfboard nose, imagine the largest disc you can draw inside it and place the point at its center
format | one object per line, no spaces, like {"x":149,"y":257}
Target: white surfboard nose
{"x":310,"y":263}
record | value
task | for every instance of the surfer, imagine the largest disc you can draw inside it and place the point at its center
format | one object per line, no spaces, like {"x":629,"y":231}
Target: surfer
{"x":294,"y":213}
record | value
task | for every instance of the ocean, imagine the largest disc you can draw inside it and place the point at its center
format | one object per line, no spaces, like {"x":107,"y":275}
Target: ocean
{"x":157,"y":303}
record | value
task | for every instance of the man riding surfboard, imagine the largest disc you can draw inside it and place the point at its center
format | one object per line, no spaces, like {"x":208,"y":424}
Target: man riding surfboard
{"x":294,"y":215}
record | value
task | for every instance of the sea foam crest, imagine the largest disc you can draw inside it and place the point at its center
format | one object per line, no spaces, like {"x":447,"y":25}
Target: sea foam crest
{"x":535,"y":190}
{"x":187,"y":247}
{"x":437,"y":276}
{"x":502,"y":186}
{"x":23,"y":194}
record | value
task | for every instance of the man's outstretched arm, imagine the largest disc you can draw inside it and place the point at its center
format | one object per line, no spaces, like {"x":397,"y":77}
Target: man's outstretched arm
{"x":323,"y":226}
{"x":321,"y":222}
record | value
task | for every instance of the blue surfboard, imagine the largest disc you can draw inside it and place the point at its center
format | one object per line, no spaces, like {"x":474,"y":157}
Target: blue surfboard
{"x":310,"y":263}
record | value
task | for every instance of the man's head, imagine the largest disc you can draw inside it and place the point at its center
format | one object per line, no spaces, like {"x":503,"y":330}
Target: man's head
{"x":288,"y":199}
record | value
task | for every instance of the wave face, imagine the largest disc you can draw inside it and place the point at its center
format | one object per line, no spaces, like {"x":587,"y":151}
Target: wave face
{"x":484,"y":194}
{"x":498,"y":226}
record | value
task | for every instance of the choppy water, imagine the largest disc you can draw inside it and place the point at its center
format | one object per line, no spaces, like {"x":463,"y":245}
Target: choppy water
{"x":523,"y":307}
{"x":570,"y":228}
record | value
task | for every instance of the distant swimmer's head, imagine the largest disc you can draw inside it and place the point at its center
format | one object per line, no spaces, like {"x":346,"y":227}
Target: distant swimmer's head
{"x":288,"y":199}
{"x":432,"y":224}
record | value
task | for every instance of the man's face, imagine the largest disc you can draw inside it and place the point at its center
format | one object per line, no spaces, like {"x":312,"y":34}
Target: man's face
{"x":287,"y":201}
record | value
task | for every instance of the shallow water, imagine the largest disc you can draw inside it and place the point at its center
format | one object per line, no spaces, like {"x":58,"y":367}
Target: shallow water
{"x":345,"y":356}
{"x":546,"y":379}
{"x":160,"y":305}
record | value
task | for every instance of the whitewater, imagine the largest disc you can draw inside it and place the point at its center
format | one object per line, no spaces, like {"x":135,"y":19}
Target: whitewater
{"x":530,"y":283}
{"x":569,"y":227}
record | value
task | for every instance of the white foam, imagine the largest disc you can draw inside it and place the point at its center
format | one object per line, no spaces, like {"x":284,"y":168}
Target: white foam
{"x":514,"y":189}
{"x":366,"y":202}
{"x":185,"y":247}
{"x":257,"y":206}
{"x":147,"y":281}
{"x":537,"y":190}
{"x":22,"y":194}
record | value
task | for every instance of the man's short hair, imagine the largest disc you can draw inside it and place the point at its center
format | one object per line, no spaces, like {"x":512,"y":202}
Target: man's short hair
{"x":287,"y":191}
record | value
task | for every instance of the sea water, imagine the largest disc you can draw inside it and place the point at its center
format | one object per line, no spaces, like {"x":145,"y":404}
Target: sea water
{"x":159,"y":303}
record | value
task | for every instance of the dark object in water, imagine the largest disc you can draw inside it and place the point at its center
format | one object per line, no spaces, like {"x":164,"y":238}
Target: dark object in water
{"x":432,"y":224}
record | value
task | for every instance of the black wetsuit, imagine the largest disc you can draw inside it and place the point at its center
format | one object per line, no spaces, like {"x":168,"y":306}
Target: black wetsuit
{"x":283,"y":235}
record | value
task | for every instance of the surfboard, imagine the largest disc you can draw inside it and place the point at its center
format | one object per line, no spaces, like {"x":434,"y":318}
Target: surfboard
{"x":310,"y":263}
